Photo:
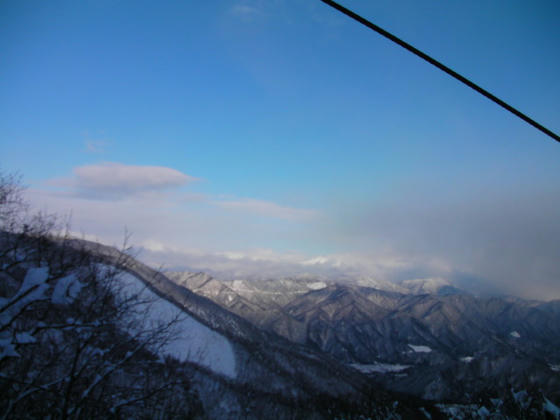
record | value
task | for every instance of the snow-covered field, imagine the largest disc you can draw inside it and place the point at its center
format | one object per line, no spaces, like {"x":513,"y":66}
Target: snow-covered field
{"x":379,"y":368}
{"x":420,"y":349}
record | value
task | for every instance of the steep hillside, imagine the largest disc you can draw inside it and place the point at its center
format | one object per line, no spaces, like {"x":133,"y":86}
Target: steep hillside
{"x":292,"y":372}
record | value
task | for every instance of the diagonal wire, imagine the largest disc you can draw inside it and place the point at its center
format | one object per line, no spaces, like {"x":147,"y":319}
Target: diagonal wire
{"x":441,"y":66}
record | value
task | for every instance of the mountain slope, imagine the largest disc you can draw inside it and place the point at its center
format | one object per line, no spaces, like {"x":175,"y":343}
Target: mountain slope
{"x":291,"y":370}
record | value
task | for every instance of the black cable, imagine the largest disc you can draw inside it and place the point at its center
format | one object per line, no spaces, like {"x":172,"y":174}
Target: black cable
{"x":441,"y":66}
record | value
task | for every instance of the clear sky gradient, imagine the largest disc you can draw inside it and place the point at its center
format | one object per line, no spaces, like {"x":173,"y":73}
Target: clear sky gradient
{"x":282,"y":130}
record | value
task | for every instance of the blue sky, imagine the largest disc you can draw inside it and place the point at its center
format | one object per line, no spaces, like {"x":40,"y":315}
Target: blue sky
{"x":283,"y":130}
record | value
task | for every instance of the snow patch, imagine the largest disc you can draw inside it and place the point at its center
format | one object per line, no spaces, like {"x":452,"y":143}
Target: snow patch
{"x":317,"y":285}
{"x":467,"y":359}
{"x":420,"y":349}
{"x":522,"y":398}
{"x":463,"y":412}
{"x":379,"y":368}
{"x":66,"y":290}
{"x":238,"y":284}
{"x":515,"y":334}
{"x":34,"y":277}
{"x":497,"y":402}
{"x":423,"y":411}
{"x":554,"y":368}
{"x":31,"y":290}
{"x":25,"y":338}
{"x":483,"y":412}
{"x":7,"y":348}
{"x":551,"y":408}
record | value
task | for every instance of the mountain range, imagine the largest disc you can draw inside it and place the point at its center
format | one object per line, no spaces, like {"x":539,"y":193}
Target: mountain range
{"x":430,"y":339}
{"x":297,"y":347}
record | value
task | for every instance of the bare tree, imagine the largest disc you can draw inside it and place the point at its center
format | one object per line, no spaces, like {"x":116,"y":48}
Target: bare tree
{"x":76,"y":341}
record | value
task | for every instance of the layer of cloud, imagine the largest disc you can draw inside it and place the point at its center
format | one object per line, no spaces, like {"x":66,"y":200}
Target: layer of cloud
{"x":379,"y":271}
{"x":502,"y":239}
{"x":255,"y":263}
{"x":170,"y":221}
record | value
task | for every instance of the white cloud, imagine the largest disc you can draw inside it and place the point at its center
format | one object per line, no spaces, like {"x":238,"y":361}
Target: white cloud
{"x":267,"y":208}
{"x":122,"y":177}
{"x":110,"y":180}
{"x":316,"y":260}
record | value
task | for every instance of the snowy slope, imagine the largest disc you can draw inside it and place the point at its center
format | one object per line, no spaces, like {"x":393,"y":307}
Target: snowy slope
{"x":194,"y":342}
